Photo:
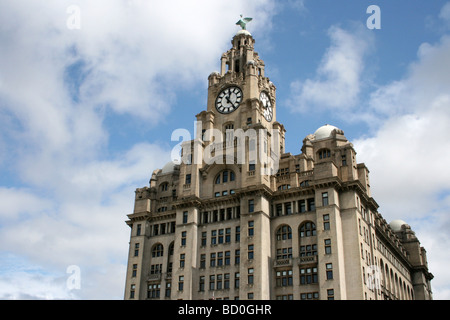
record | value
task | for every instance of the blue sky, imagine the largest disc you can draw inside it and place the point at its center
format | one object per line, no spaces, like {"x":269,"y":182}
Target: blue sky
{"x":88,"y":106}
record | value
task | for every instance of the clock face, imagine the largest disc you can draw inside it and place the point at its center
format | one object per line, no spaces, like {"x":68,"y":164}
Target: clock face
{"x":267,"y":106}
{"x":229,"y":99}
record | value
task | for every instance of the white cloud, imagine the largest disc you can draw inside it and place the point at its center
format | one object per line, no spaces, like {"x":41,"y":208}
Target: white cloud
{"x":444,"y":14}
{"x":411,"y":148}
{"x":70,"y":196}
{"x":80,"y":223}
{"x":408,"y":155}
{"x":338,"y":78}
{"x":20,"y":203}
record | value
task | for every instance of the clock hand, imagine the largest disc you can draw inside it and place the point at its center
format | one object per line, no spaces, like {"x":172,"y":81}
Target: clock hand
{"x":229,"y":101}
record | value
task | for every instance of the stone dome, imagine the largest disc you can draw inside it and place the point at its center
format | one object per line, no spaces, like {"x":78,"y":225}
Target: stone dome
{"x":169,"y":167}
{"x":396,"y":225}
{"x":325,"y":131}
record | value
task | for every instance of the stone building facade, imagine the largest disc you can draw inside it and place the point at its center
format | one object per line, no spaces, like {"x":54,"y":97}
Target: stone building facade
{"x":241,"y":218}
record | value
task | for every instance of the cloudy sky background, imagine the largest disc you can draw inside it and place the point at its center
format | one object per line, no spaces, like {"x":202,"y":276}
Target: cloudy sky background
{"x":87,"y":114}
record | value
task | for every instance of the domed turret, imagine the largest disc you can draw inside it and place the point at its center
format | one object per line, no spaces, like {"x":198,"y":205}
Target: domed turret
{"x":169,"y":167}
{"x":396,"y":225}
{"x":326,"y":131}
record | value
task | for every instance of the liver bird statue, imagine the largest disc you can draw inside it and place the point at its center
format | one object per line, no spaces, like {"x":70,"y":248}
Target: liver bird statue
{"x":243,"y":22}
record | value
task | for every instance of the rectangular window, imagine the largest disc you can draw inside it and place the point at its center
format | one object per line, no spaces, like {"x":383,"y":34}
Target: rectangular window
{"x":250,"y":252}
{"x":227,"y":258}
{"x":329,"y":271}
{"x":180,"y":283}
{"x":134,"y":272}
{"x":188,"y":178}
{"x":212,"y":260}
{"x":226,"y":281}
{"x":309,"y":296}
{"x":237,"y":256}
{"x":327,"y":246}
{"x":138,"y":229}
{"x":136,"y":249}
{"x":238,"y":234}
{"x":251,"y":205}
{"x":182,"y":258}
{"x":236,"y":280}
{"x":284,"y":253}
{"x":213,"y":237}
{"x":185,"y":217}
{"x":183,"y":238}
{"x":324,"y":198}
{"x":330,"y":294}
{"x":250,"y":275}
{"x":308,"y":276}
{"x":284,"y":278}
{"x":201,"y":285}
{"x":132,"y":290}
{"x":250,"y":228}
{"x":287,"y":208}
{"x":219,"y":259}
{"x":251,"y":167}
{"x":279,"y":210}
{"x":219,"y":282}
{"x":308,"y":250}
{"x":212,"y":282}
{"x":155,"y":268}
{"x":229,"y":213}
{"x":168,"y":291}
{"x":311,"y":204}
{"x":202,"y":261}
{"x":220,"y":235}
{"x":302,"y":205}
{"x":203,"y":239}
{"x":326,"y":222}
{"x":227,"y":235}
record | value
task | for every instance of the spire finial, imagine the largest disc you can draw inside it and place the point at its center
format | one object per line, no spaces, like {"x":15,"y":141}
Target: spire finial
{"x":243,"y":22}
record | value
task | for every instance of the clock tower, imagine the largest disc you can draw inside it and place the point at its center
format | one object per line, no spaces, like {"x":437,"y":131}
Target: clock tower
{"x":242,"y":103}
{"x":241,"y":218}
{"x":242,"y":86}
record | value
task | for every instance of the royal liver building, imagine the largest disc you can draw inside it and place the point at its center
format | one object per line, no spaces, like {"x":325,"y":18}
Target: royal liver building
{"x":241,"y":218}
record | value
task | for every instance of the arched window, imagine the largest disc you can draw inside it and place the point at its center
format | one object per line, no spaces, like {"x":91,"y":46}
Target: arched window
{"x":164,"y":186}
{"x":158,"y":250}
{"x":284,"y":233}
{"x":324,"y":153}
{"x":225,"y":176}
{"x":307,"y":229}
